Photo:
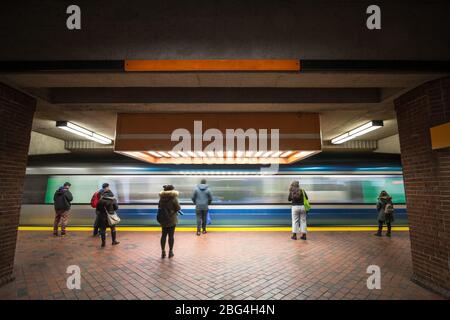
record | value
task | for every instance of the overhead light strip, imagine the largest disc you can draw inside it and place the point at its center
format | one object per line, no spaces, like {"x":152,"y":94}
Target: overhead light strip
{"x":83,"y":132}
{"x":359,"y":131}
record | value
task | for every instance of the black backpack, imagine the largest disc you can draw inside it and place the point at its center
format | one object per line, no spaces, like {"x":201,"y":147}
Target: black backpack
{"x":297,"y":195}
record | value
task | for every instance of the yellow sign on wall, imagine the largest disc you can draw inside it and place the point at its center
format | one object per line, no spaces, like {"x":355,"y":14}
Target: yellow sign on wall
{"x":440,"y":136}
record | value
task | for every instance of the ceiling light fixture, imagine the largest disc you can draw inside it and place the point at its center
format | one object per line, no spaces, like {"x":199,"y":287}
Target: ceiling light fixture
{"x":83,"y":132}
{"x":359,"y":131}
{"x":154,"y":154}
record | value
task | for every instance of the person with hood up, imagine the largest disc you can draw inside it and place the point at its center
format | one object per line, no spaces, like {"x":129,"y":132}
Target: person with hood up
{"x":202,"y":198}
{"x":168,"y":209}
{"x":107,"y":205}
{"x":385,"y":209}
{"x":62,"y":200}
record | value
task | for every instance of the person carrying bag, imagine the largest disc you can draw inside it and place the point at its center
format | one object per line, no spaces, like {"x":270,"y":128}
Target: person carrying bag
{"x":107,"y":207}
{"x":299,"y":210}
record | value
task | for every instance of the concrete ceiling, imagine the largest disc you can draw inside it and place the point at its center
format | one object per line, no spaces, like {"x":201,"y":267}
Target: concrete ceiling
{"x":101,"y":117}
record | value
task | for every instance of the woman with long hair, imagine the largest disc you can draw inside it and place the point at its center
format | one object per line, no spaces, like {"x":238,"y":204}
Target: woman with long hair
{"x":297,"y":197}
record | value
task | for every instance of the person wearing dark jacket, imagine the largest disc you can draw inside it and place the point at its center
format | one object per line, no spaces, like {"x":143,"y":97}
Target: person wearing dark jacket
{"x":105,"y":187}
{"x":62,"y":201}
{"x":168,"y":208}
{"x":296,"y":197}
{"x":384,"y":215}
{"x":107,"y":205}
{"x":202,"y":198}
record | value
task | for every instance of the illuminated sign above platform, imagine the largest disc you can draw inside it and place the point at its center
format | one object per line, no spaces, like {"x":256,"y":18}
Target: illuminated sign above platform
{"x":219,"y":138}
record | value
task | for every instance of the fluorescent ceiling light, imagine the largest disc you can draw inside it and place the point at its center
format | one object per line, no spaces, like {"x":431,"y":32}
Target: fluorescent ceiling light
{"x":359,"y":131}
{"x":173,"y":154}
{"x":164,"y":154}
{"x":83,"y":132}
{"x":154,"y":153}
{"x":277,"y":154}
{"x":287,"y":153}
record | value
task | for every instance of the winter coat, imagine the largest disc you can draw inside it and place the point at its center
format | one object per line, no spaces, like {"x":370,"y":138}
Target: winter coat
{"x":106,"y":205}
{"x":381,"y":204}
{"x":297,"y":202}
{"x":168,"y":207}
{"x":202,"y":197}
{"x":62,"y":199}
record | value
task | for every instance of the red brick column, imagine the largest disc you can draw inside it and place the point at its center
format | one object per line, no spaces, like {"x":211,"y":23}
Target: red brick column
{"x":16,"y":116}
{"x":427,"y":182}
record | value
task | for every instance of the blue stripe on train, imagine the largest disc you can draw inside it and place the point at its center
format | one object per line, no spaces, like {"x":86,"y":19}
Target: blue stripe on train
{"x":267,"y":216}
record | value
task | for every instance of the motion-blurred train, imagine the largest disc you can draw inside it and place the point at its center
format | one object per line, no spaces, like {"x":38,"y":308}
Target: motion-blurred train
{"x":343,"y":190}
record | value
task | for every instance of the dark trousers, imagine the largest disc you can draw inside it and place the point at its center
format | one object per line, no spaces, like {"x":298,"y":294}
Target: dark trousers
{"x":96,"y":226}
{"x":201,"y":218}
{"x":103,"y":233}
{"x":380,"y":226}
{"x":167,"y":231}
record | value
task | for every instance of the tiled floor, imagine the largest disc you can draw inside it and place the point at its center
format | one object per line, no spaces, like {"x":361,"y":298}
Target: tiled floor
{"x":219,"y":265}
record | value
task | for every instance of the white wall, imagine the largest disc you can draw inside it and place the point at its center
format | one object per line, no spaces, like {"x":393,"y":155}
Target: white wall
{"x":389,"y":145}
{"x":43,"y":144}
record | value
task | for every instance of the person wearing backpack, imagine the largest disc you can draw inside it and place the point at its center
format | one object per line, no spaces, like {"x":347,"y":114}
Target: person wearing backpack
{"x":300,"y":205}
{"x":385,"y":209}
{"x":62,"y":200}
{"x":107,"y":205}
{"x":167,"y":217}
{"x":202,"y":198}
{"x":94,"y":202}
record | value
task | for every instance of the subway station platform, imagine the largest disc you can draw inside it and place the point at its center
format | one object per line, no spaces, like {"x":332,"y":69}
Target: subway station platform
{"x":218,"y":265}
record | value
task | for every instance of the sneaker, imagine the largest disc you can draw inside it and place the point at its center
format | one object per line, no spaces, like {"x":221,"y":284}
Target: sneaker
{"x":115,"y":243}
{"x":303,"y":237}
{"x":63,"y":234}
{"x":198,"y":233}
{"x":294,"y":236}
{"x":378,"y":234}
{"x":55,"y":234}
{"x":163,"y":254}
{"x":171,"y":254}
{"x":204,"y":231}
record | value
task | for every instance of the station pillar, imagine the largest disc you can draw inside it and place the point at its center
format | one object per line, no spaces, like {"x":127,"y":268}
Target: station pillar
{"x":426,"y":172}
{"x":16,"y":117}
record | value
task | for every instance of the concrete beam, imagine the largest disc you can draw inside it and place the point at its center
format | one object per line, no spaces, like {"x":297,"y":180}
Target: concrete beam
{"x":214,"y":95}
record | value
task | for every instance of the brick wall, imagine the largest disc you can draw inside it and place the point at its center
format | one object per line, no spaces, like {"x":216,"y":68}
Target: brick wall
{"x":427,"y":181}
{"x":16,"y":116}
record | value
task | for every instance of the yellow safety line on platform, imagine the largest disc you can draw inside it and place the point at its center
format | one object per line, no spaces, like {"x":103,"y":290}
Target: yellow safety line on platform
{"x":220,"y":229}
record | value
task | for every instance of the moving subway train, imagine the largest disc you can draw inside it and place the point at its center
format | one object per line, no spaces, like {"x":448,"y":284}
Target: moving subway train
{"x":340,"y":195}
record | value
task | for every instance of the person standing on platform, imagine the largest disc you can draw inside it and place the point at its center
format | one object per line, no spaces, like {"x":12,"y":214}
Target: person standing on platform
{"x":168,"y":209}
{"x":385,"y":209}
{"x":202,"y":198}
{"x":94,"y":202}
{"x":298,"y":197}
{"x":62,"y":201}
{"x":107,"y":205}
